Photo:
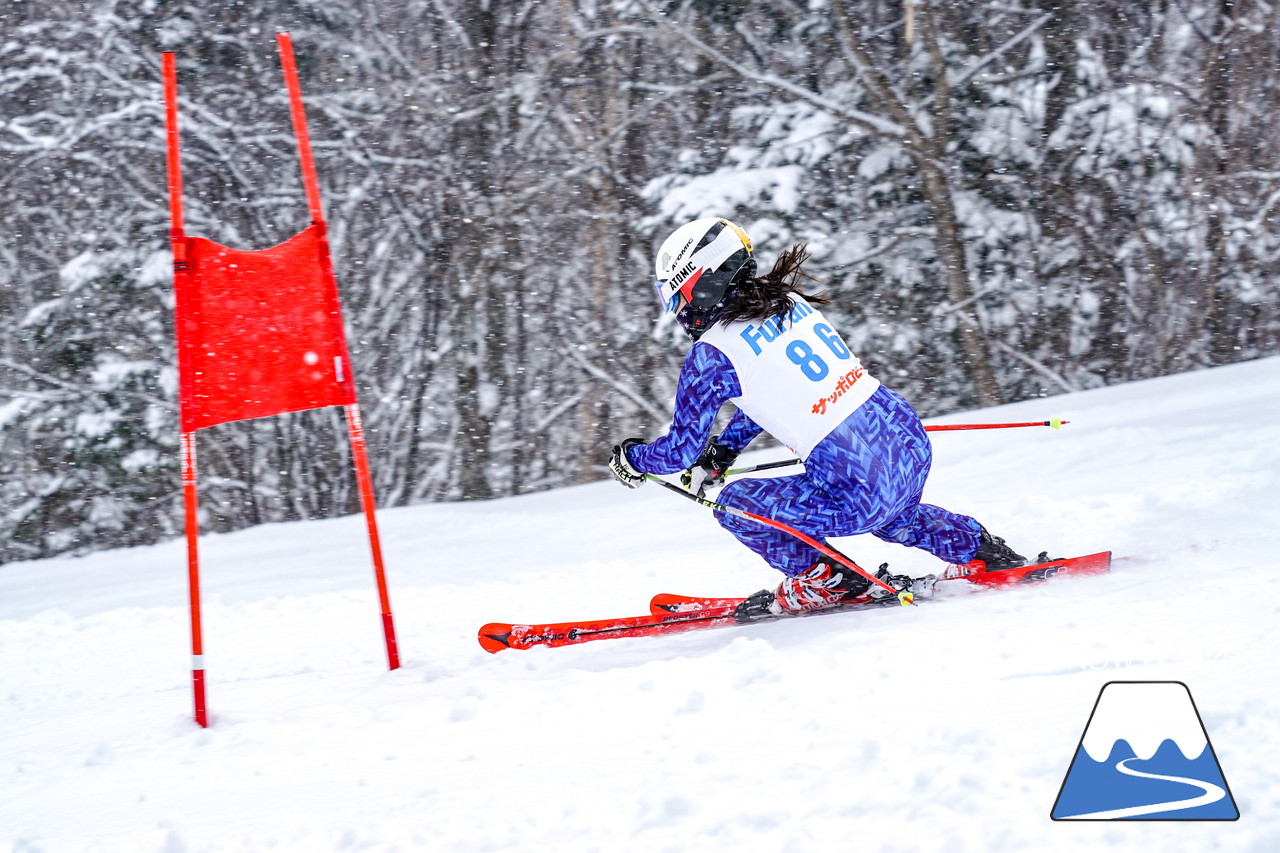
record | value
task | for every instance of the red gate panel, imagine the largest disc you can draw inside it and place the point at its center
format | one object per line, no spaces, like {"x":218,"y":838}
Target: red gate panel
{"x":259,"y":333}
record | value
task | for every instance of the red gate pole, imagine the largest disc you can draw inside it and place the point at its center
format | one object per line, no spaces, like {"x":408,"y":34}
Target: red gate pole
{"x":299,"y":117}
{"x":190,"y":494}
{"x":355,"y":429}
{"x":355,"y":426}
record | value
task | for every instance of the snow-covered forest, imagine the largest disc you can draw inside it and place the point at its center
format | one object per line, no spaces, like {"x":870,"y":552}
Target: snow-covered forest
{"x":1004,"y":201}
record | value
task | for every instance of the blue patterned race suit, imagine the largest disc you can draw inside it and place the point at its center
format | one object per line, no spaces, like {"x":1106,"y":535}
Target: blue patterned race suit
{"x":866,"y":476}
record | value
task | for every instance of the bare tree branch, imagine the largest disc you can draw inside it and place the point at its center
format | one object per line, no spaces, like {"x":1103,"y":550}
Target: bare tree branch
{"x":867,"y":121}
{"x":980,"y":63}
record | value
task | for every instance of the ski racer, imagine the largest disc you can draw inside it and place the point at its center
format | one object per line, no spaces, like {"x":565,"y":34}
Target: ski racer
{"x":764,"y":345}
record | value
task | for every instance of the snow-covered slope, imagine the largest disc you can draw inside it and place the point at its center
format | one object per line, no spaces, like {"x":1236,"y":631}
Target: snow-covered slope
{"x":943,"y":727}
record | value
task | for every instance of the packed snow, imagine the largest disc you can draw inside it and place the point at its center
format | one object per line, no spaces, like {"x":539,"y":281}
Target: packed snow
{"x":949,"y":726}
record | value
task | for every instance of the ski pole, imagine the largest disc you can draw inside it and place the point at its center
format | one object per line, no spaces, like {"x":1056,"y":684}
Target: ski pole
{"x":762,"y":467}
{"x":904,"y":597}
{"x":1056,"y":423}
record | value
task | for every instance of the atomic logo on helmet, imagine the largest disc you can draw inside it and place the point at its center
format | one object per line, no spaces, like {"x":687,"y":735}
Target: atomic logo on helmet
{"x":696,"y":265}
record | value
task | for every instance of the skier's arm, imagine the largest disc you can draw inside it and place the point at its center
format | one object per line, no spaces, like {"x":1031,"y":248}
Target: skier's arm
{"x":707,"y":380}
{"x":739,"y":433}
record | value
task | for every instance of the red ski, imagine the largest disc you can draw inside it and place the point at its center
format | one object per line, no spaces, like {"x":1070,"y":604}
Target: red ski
{"x":665,"y":602}
{"x":497,"y":636}
{"x":673,"y":614}
{"x":1090,"y":564}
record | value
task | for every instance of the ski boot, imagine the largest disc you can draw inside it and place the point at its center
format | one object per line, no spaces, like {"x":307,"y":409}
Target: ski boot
{"x":993,"y":554}
{"x":826,"y":584}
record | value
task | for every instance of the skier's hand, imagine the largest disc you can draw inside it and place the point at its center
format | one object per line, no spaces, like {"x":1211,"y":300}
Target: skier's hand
{"x":622,"y":469}
{"x":710,"y":468}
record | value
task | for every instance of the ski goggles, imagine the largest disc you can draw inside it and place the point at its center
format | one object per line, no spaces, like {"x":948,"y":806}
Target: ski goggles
{"x":669,"y":302}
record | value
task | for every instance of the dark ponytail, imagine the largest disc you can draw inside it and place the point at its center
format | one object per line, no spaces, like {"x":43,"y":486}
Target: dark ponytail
{"x":771,"y":294}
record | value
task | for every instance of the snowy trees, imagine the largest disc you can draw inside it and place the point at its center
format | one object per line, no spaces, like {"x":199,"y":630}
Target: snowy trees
{"x":1004,"y":201}
{"x":86,"y":378}
{"x":902,"y":101}
{"x":1022,"y":186}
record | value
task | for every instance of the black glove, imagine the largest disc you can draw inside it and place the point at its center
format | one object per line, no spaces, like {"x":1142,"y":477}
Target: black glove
{"x":622,"y":469}
{"x":710,"y":468}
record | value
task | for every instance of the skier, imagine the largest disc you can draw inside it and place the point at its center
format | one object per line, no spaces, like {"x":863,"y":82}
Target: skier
{"x":760,"y":342}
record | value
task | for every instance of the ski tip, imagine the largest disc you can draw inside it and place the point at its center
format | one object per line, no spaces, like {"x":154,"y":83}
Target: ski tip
{"x":495,"y":637}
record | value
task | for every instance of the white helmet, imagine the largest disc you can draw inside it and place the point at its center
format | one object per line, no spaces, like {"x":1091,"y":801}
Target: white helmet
{"x":700,"y":261}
